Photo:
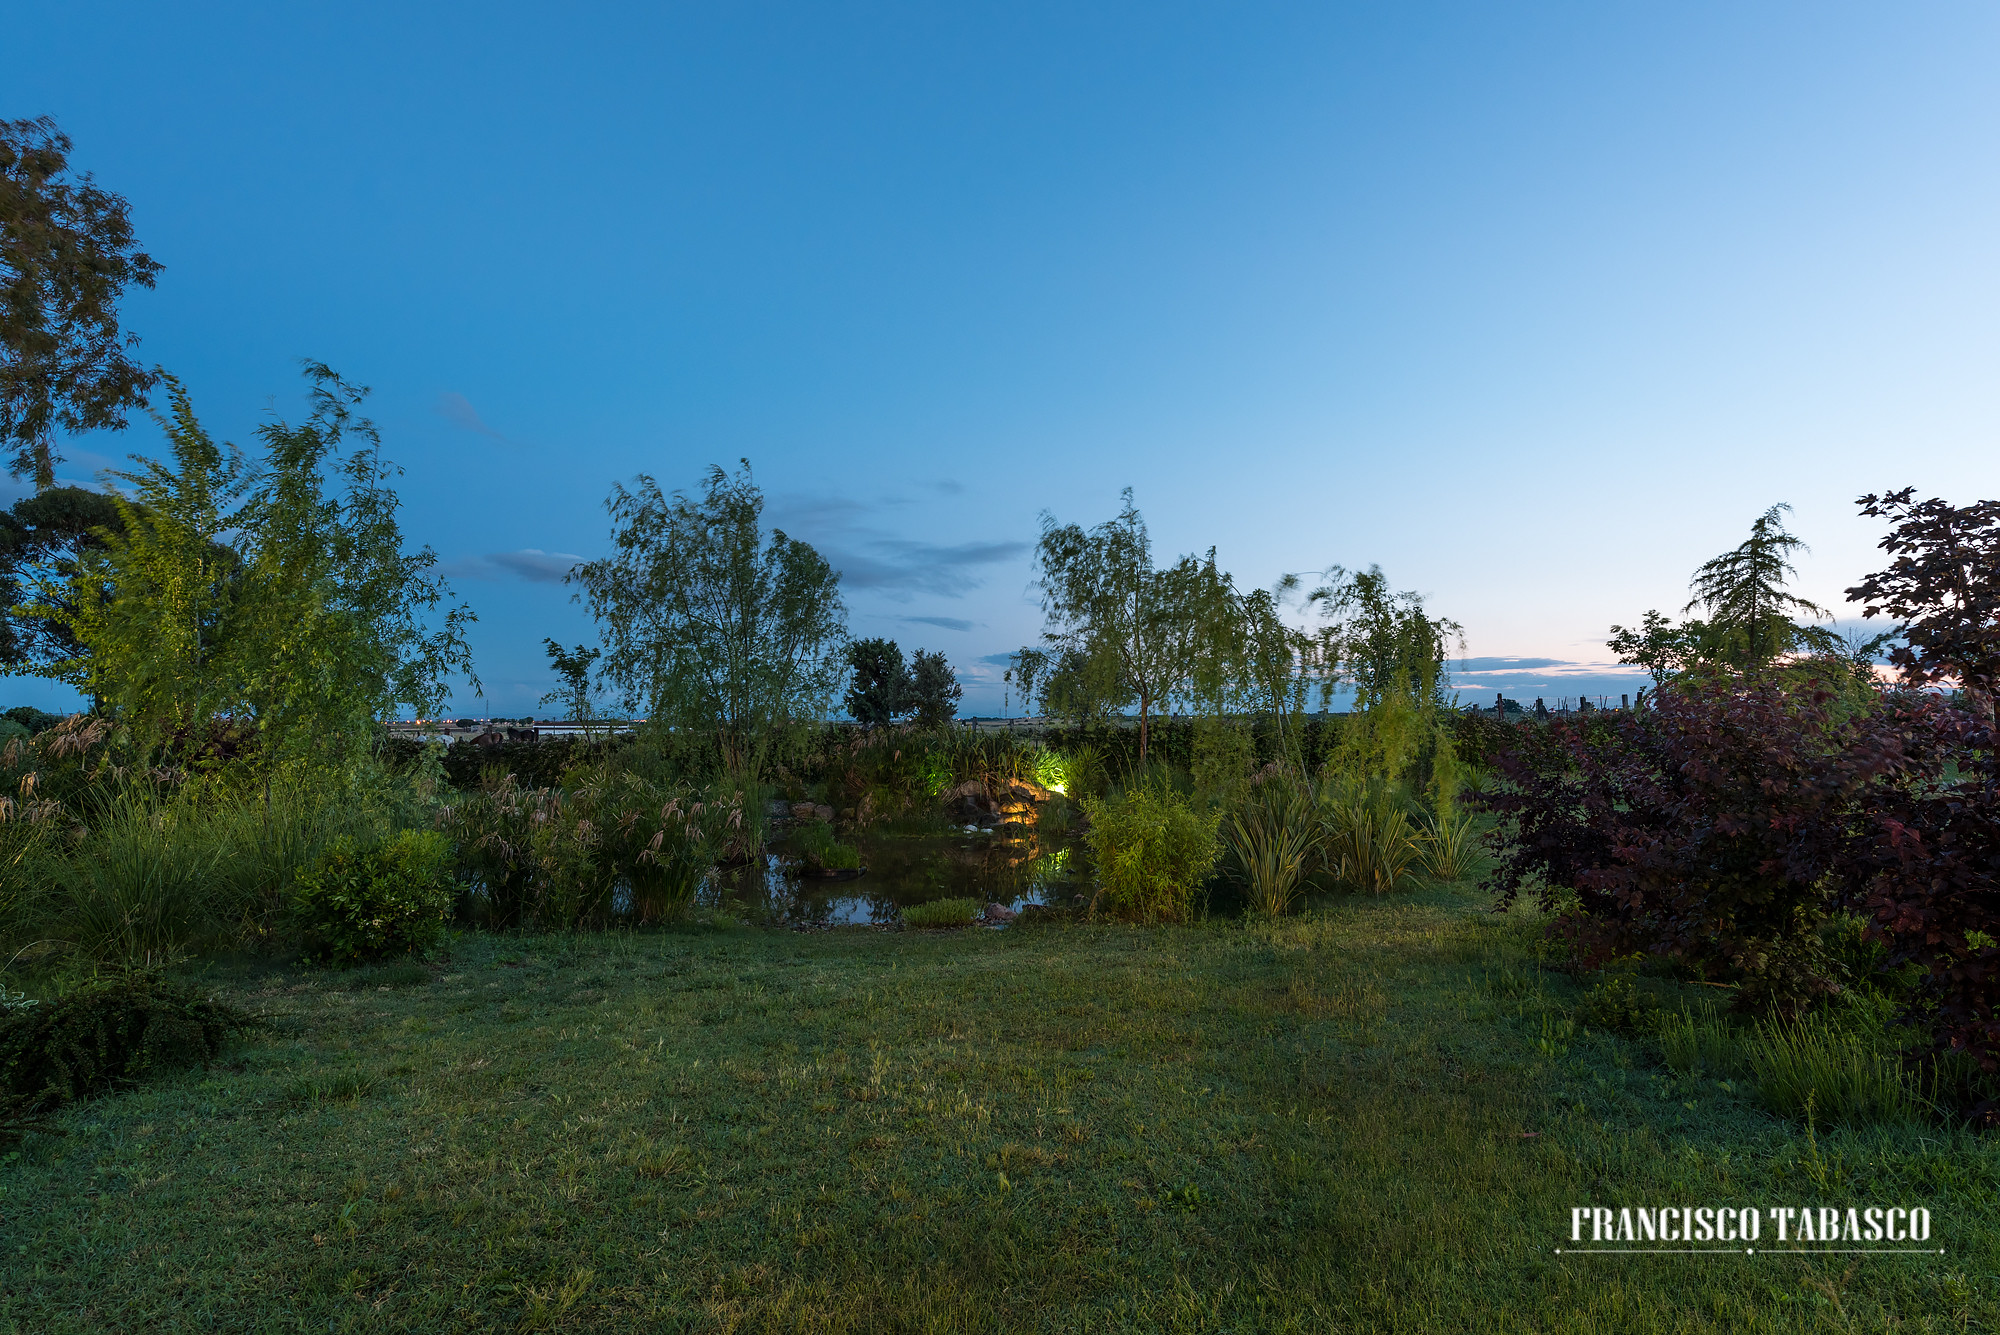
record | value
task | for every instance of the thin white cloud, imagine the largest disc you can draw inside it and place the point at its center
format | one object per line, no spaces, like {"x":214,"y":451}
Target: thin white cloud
{"x":529,"y":563}
{"x":457,"y":408}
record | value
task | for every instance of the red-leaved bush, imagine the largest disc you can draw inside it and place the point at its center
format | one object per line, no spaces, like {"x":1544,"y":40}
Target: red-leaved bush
{"x":1925,"y":870}
{"x":1709,"y":828}
{"x":1722,"y":827}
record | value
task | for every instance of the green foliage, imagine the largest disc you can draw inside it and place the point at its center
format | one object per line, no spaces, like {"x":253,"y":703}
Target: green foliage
{"x":330,"y":622}
{"x":1749,"y":610}
{"x":1153,"y":849}
{"x":1836,"y":1065}
{"x":934,"y":690}
{"x":155,"y":646}
{"x":1273,"y":842}
{"x":1370,"y":841}
{"x":1451,"y":845}
{"x":360,"y":904}
{"x":69,"y":254}
{"x":1224,"y":756}
{"x":31,"y":719}
{"x":557,"y":858}
{"x":1616,"y":1005}
{"x":715,"y":631}
{"x":1385,"y":643}
{"x":111,"y":863}
{"x":880,"y":690}
{"x":104,"y":1036}
{"x":574,"y":694}
{"x":253,"y":595}
{"x":1815,"y":1067}
{"x":1076,"y":771}
{"x":41,"y":539}
{"x":821,"y":851}
{"x":1124,"y":629}
{"x":1276,"y":666}
{"x":939,"y":913}
{"x":1692,"y":1041}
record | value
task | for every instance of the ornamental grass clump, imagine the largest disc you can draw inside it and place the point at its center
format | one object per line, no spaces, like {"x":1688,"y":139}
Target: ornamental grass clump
{"x":1815,"y":1066}
{"x":1272,"y":842}
{"x":1451,"y":849}
{"x":1371,"y":842}
{"x":1153,"y":849}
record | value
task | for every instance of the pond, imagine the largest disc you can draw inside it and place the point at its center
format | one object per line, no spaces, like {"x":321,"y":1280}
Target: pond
{"x":907,"y":867}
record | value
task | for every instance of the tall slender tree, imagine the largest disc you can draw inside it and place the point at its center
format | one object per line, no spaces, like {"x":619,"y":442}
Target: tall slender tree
{"x":934,"y":690}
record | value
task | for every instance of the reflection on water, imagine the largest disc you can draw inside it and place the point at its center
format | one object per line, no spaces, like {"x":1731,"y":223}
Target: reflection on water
{"x":905,"y":868}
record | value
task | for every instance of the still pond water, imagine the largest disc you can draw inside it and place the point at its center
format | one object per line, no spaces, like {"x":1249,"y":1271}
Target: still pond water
{"x":907,"y":868}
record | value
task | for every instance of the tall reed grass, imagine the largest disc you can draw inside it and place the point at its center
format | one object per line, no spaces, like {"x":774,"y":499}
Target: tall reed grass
{"x":152,"y":877}
{"x":1811,"y":1063}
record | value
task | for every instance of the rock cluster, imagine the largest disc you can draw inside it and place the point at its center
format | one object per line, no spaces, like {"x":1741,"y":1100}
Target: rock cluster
{"x":797,"y":813}
{"x":1005,"y":808}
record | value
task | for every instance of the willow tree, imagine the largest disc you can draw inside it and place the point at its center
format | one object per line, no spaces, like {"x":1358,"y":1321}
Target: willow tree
{"x":1394,"y":654}
{"x":1277,"y":668}
{"x":711,"y":626}
{"x":1150,"y":634}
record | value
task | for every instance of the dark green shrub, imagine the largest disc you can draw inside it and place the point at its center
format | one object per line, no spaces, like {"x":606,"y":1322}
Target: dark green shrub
{"x":33,"y":719}
{"x":1618,"y":1006}
{"x":105,"y":1036}
{"x":363,"y":903}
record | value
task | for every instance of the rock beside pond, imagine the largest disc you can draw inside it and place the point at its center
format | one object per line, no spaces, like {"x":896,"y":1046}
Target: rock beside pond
{"x":971,"y":804}
{"x":797,"y":813}
{"x":1026,"y":790}
{"x":1000,"y":913}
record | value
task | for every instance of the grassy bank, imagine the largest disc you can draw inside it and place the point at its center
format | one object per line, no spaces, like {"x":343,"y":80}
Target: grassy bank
{"x":1374,"y":1117}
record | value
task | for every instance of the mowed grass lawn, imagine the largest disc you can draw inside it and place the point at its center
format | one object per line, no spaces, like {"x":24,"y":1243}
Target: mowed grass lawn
{"x":1374,"y":1117}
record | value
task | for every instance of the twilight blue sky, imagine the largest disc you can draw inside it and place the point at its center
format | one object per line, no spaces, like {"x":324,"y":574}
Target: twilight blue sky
{"x":1536,"y":305}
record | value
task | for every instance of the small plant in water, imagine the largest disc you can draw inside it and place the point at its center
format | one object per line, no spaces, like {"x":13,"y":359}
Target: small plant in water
{"x":821,"y":852}
{"x":941,"y":913}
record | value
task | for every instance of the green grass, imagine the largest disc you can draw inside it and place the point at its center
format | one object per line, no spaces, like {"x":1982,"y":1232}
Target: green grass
{"x":1373,"y":1116}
